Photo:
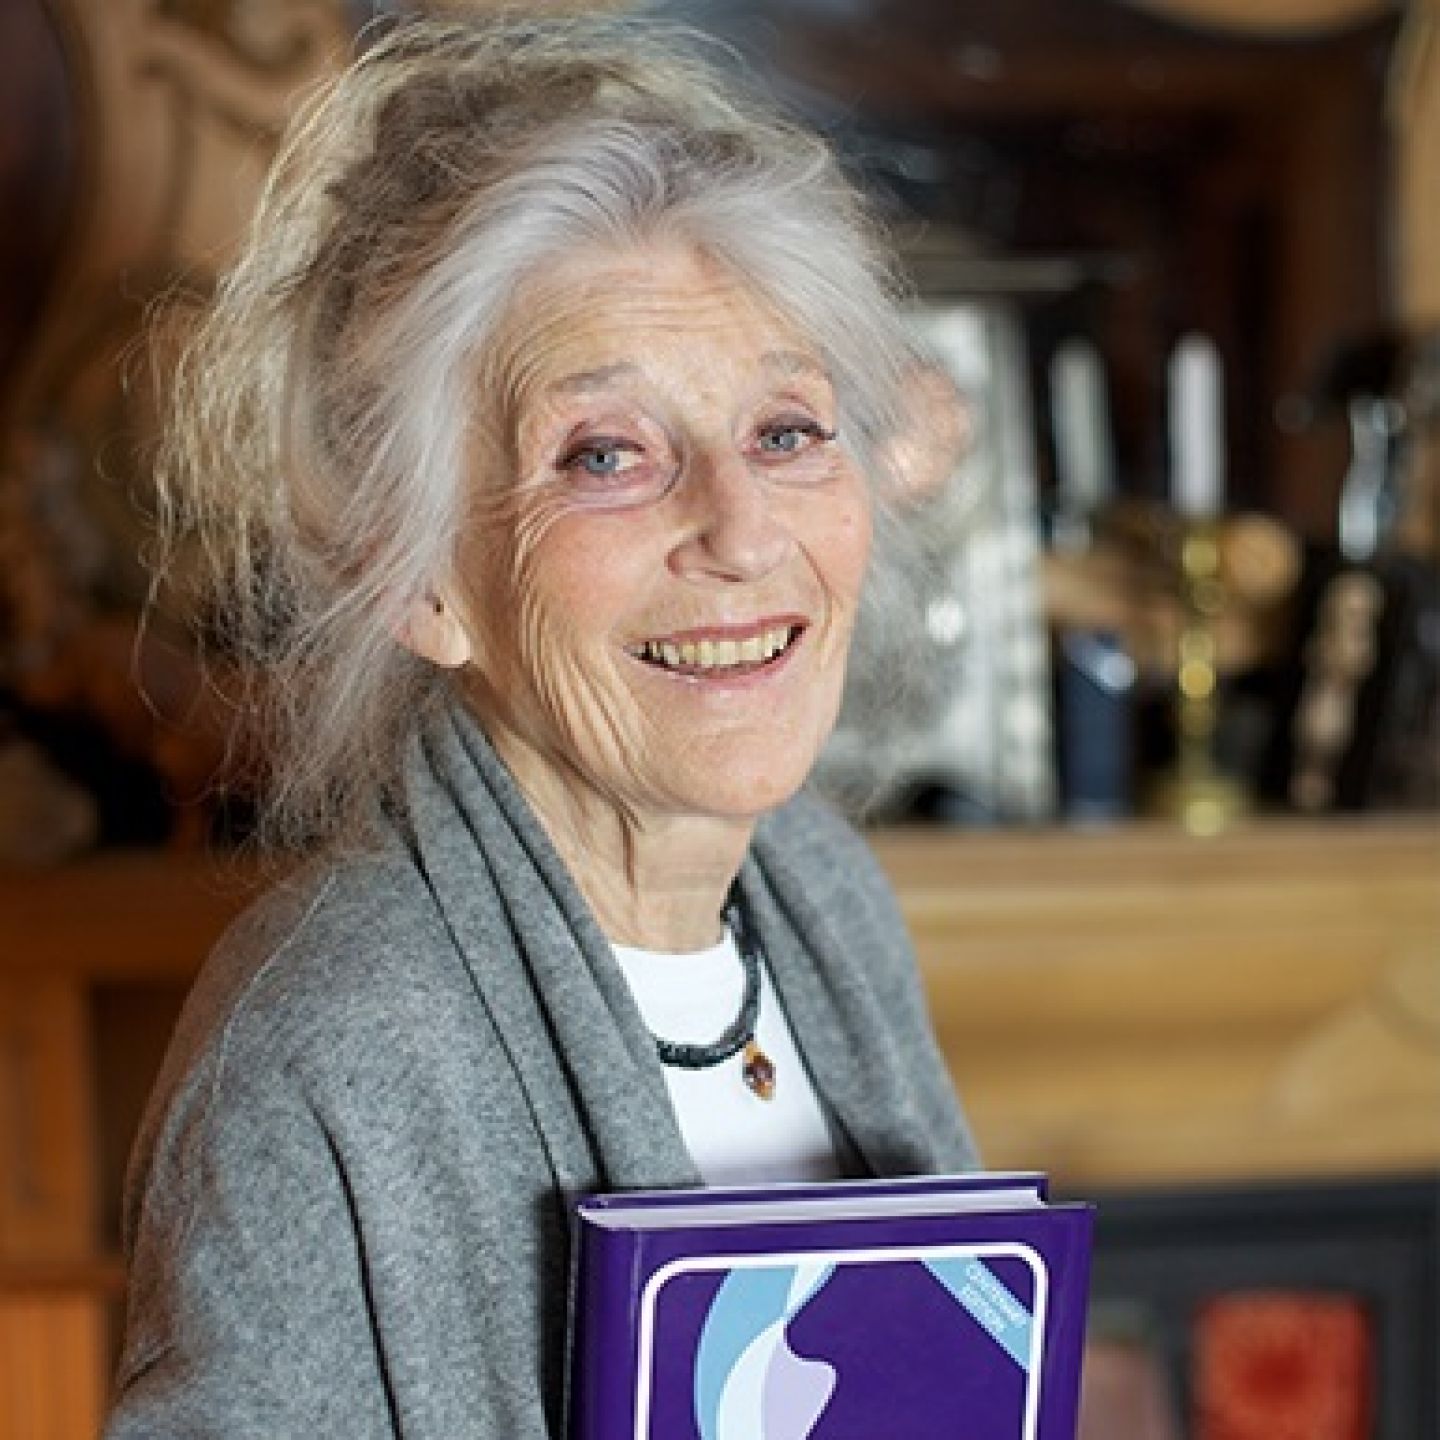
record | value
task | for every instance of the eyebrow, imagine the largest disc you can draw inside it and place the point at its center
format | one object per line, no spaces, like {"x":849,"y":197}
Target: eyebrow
{"x":791,"y":362}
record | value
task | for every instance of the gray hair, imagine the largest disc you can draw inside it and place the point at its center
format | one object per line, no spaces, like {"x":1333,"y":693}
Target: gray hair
{"x":316,"y":456}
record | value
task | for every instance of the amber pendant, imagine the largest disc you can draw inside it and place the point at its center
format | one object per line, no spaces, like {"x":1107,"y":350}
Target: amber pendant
{"x":758,"y":1071}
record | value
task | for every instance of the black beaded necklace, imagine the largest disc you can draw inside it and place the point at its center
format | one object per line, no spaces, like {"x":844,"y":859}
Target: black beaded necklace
{"x":757,"y":1069}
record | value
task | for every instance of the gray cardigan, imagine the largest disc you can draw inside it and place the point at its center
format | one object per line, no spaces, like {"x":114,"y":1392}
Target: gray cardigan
{"x":347,"y":1208}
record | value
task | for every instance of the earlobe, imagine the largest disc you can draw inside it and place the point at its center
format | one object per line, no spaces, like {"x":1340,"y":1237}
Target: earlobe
{"x":435,"y":632}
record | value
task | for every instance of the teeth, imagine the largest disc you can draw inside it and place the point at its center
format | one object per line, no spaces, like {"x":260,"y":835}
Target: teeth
{"x":717,"y":654}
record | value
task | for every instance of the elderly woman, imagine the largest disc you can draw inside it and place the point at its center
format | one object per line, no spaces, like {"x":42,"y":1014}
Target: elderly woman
{"x":537,"y":438}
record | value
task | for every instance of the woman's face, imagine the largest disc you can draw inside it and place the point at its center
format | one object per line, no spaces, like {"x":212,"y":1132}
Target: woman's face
{"x":662,"y":578}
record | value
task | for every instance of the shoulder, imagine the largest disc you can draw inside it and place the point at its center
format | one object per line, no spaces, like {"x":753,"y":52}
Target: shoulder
{"x":336,"y":954}
{"x":338,"y":995}
{"x":333,"y":1011}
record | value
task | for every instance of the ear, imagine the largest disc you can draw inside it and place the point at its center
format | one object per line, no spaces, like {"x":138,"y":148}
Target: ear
{"x":434,"y":630}
{"x":938,"y":431}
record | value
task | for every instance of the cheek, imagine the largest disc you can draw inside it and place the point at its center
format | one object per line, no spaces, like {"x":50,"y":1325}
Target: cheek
{"x":571,"y":594}
{"x":841,"y":550}
{"x":519,"y":570}
{"x":549,"y":617}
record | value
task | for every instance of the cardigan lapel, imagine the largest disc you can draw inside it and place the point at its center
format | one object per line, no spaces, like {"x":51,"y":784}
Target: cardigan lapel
{"x":546,"y":974}
{"x":542,"y":968}
{"x":816,"y":936}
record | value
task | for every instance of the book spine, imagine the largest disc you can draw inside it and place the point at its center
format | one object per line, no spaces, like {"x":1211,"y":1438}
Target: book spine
{"x":1069,"y":1248}
{"x":604,"y":1346}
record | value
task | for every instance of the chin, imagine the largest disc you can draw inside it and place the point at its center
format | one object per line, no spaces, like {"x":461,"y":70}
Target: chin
{"x":746,"y":794}
{"x":740,"y":773}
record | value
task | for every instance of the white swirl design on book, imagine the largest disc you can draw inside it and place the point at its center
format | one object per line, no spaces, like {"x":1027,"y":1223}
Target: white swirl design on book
{"x":749,"y":1383}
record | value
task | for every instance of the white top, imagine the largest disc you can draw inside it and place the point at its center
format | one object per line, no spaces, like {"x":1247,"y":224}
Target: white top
{"x":734,"y":1137}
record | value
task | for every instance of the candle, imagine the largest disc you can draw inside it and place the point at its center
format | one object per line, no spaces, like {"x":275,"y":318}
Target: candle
{"x":1079,"y":415}
{"x":1197,"y":429}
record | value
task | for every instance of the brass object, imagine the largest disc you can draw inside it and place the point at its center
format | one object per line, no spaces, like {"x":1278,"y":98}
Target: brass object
{"x":1195,"y":790}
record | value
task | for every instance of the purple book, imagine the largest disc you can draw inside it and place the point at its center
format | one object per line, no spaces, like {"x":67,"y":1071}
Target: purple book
{"x":903,"y":1309}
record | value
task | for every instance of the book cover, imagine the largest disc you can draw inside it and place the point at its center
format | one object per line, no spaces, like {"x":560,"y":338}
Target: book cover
{"x":851,"y":1311}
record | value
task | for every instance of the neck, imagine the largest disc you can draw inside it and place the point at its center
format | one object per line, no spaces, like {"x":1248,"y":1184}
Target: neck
{"x":653,"y":881}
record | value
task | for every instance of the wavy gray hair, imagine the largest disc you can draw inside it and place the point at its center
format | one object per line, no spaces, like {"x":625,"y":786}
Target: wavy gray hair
{"x":316,"y":456}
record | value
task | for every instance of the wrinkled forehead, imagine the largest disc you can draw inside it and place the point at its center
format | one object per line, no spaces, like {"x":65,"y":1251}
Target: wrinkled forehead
{"x":609,"y":321}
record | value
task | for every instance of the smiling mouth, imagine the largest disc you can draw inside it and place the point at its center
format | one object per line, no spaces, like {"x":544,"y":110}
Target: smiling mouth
{"x":719,"y":656}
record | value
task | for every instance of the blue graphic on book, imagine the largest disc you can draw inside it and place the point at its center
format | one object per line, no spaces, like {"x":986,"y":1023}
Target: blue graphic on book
{"x":750,"y":1384}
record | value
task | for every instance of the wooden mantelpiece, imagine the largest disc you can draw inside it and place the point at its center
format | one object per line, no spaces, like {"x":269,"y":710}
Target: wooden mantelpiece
{"x":1136,"y":1006}
{"x":129,"y":915}
{"x":1123,"y":1009}
{"x":1121,"y":1006}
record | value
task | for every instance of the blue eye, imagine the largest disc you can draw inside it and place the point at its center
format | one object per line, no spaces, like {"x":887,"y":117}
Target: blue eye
{"x":601,"y":459}
{"x":782,"y":441}
{"x":792,"y":437}
{"x":596,"y":461}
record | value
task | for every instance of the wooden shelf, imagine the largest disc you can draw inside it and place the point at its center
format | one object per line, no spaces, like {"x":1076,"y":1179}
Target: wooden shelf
{"x":102,"y":1276}
{"x":1136,"y":1006}
{"x":1119,"y":1006}
{"x":128,"y":916}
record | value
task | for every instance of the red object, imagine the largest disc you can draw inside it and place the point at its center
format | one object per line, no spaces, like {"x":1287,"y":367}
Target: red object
{"x":1281,"y":1365}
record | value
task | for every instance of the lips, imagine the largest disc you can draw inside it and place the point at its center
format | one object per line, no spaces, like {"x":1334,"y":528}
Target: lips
{"x":727,"y":652}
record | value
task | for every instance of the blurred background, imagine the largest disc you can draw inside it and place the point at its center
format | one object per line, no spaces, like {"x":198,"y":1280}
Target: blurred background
{"x":1162,"y":810}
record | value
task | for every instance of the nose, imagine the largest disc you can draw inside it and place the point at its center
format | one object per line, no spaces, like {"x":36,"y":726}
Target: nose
{"x":732,"y":528}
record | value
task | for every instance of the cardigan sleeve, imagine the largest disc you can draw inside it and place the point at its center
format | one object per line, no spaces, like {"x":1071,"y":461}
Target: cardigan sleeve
{"x":248,"y":1311}
{"x":340,"y":1220}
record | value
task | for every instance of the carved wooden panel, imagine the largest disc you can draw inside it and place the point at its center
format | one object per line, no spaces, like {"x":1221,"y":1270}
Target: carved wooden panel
{"x":172,"y":109}
{"x":37,"y":170}
{"x":179,"y":103}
